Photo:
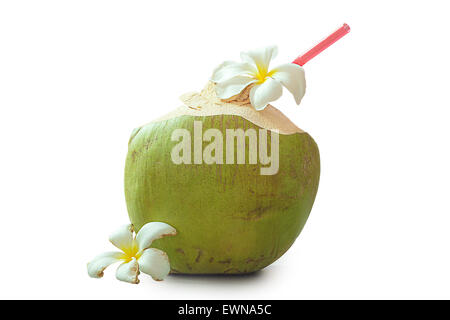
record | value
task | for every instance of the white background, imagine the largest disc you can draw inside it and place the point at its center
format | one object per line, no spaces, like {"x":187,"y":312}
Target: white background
{"x":77,"y":76}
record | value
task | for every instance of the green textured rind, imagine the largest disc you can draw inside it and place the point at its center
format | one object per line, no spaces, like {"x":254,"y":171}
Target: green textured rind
{"x":229,"y":218}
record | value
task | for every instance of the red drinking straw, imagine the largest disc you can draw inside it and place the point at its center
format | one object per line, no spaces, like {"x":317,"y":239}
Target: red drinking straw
{"x":328,"y":41}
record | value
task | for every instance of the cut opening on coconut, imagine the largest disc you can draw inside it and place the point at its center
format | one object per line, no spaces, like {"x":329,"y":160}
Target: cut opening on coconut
{"x":206,"y":103}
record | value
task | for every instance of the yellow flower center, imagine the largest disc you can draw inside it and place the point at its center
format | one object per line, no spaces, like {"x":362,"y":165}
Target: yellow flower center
{"x":131,"y":252}
{"x":263,"y":73}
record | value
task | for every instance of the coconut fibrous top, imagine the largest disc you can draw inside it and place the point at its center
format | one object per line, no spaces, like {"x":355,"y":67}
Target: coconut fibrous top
{"x":245,"y":89}
{"x":207,"y":103}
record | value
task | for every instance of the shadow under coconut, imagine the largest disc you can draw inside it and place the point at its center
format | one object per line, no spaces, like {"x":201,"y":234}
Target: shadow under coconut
{"x":228,"y":279}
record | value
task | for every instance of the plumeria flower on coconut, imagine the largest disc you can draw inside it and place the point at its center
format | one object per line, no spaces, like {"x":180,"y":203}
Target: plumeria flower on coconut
{"x":136,"y":254}
{"x":231,"y":78}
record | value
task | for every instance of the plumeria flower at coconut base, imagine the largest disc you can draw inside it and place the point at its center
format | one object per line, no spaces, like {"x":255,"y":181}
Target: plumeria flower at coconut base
{"x":136,"y":254}
{"x":231,"y":78}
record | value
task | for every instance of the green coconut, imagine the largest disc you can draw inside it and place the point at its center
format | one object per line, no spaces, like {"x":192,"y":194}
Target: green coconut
{"x":230,"y":218}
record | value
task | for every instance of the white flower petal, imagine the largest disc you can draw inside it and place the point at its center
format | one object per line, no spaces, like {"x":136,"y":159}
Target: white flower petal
{"x":128,"y":271}
{"x":100,"y":262}
{"x":261,"y":95}
{"x":122,"y":238}
{"x":292,"y":76}
{"x":230,"y":69}
{"x":260,"y":57}
{"x":231,"y":87}
{"x":155,"y":263}
{"x":152,"y":231}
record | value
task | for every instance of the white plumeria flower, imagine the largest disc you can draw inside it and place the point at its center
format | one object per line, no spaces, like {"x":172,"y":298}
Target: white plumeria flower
{"x":136,"y":253}
{"x":233,"y":77}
